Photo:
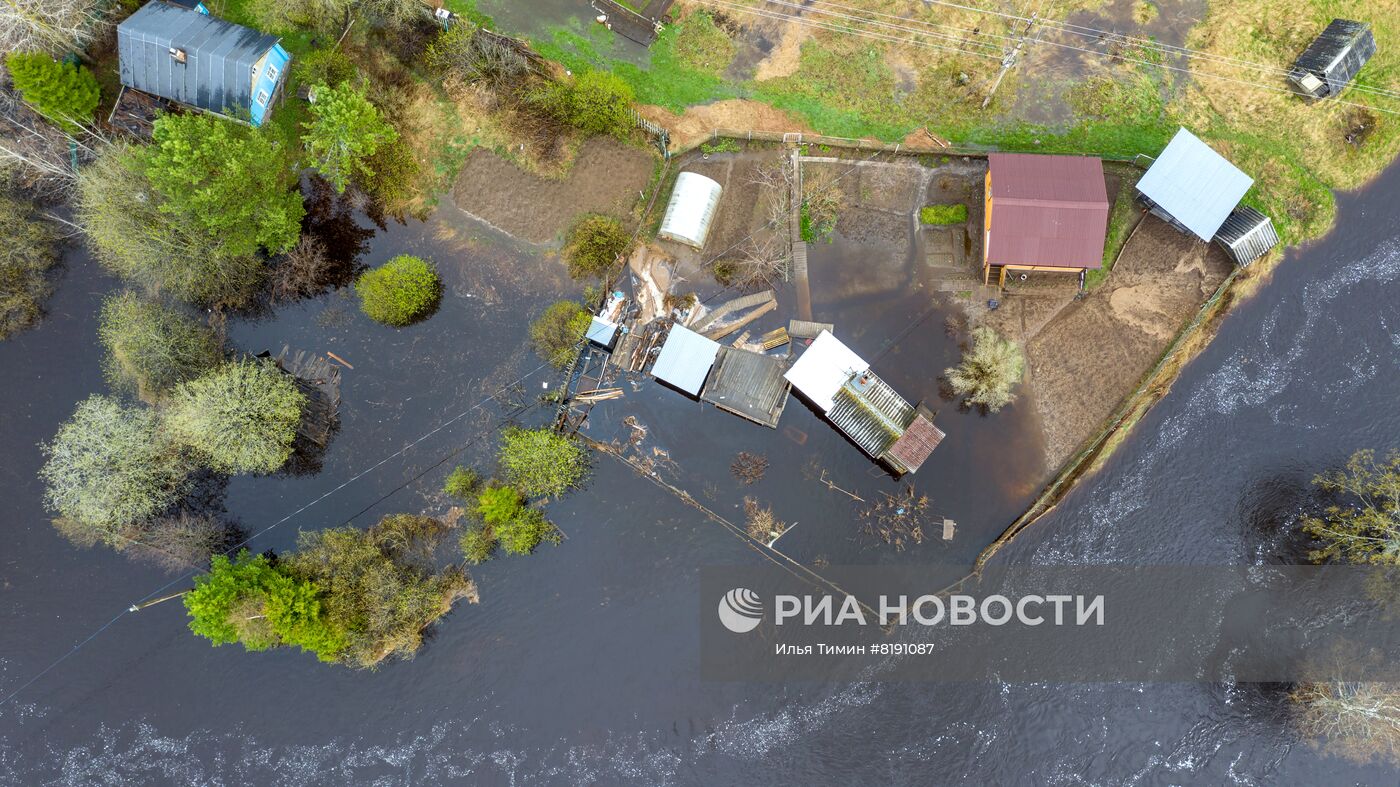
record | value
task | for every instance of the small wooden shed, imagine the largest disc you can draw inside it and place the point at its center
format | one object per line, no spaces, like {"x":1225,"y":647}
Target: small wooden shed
{"x":1333,"y":59}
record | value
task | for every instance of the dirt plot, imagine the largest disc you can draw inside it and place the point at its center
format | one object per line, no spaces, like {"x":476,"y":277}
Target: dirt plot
{"x":606,"y":177}
{"x":1089,"y":356}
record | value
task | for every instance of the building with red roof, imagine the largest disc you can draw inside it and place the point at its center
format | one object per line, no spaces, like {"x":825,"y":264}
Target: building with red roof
{"x":1043,"y":213}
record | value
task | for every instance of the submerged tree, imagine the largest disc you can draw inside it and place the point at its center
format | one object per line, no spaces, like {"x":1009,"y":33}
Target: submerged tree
{"x":990,"y":368}
{"x":345,"y":133}
{"x":556,"y":333}
{"x":29,"y":251}
{"x":239,"y":418}
{"x":595,"y":243}
{"x":180,"y":542}
{"x":156,"y":250}
{"x":378,"y":598}
{"x":65,"y":93}
{"x":227,"y":179}
{"x":251,"y":601}
{"x":110,"y":468}
{"x":152,"y":348}
{"x":542,"y":462}
{"x":1365,"y":528}
{"x":1357,"y":720}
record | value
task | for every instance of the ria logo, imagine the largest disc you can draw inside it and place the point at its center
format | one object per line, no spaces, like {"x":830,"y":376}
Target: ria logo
{"x":740,"y":610}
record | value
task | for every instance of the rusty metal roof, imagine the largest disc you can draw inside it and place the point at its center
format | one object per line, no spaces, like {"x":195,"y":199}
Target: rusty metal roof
{"x":1047,"y":210}
{"x":917,"y":442}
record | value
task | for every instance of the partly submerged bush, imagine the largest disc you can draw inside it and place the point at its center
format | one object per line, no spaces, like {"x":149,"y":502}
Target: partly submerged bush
{"x":400,"y":291}
{"x":152,"y":348}
{"x":542,"y":462}
{"x":239,"y":418}
{"x":461,"y":483}
{"x":29,"y":251}
{"x":557,"y":333}
{"x":990,"y":368}
{"x":110,"y":468}
{"x":594,"y":245}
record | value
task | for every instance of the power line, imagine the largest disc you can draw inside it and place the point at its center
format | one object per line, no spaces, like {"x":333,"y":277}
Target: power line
{"x":284,"y":520}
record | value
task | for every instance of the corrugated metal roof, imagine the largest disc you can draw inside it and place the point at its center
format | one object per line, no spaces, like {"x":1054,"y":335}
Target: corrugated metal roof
{"x":750,"y":384}
{"x":1247,"y":234}
{"x":823,"y":368}
{"x":1194,"y":184}
{"x":1047,"y":210}
{"x":1336,"y":55}
{"x":685,"y":359}
{"x":217,"y":74}
{"x":601,"y":332}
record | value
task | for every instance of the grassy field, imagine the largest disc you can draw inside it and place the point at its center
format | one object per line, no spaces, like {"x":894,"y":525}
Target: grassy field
{"x":850,"y":86}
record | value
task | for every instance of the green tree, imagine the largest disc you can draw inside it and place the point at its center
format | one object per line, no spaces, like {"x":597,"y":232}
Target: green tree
{"x":400,"y":291}
{"x":498,"y":504}
{"x":381,"y":600}
{"x":65,"y":93}
{"x":29,"y":251}
{"x":109,"y":468}
{"x":152,"y":348}
{"x":542,"y":462}
{"x":239,"y":418}
{"x":558,"y":331}
{"x":990,"y":368}
{"x":1364,"y":528}
{"x":345,"y":132}
{"x":227,"y":179}
{"x":250,"y":601}
{"x":162,"y":253}
{"x":597,"y":102}
{"x":594,"y":245}
{"x":461,"y":483}
{"x":525,"y":531}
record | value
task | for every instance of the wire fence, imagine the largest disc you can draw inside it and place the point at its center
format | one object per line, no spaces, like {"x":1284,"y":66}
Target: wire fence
{"x":935,"y":148}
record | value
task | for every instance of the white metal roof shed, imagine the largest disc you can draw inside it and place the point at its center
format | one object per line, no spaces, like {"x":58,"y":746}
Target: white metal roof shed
{"x":691,"y":210}
{"x":823,"y":368}
{"x":1195,"y":185}
{"x":685,"y":359}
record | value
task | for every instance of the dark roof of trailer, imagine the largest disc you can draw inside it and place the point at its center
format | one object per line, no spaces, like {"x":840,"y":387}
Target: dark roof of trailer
{"x":1328,"y":52}
{"x":219,"y":56}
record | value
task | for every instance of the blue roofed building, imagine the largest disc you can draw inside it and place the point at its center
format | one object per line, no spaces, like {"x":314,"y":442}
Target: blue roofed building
{"x":1192,"y":187}
{"x":177,"y":51}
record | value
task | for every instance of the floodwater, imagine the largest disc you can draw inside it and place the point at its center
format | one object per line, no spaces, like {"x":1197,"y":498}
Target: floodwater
{"x":580,"y":664}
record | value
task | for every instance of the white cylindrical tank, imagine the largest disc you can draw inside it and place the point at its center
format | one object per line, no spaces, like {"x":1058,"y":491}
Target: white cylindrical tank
{"x":691,"y":210}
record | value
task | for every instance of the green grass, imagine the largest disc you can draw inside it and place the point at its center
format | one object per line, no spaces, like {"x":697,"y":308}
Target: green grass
{"x":722,"y":145}
{"x":943,"y":214}
{"x":1122,"y":218}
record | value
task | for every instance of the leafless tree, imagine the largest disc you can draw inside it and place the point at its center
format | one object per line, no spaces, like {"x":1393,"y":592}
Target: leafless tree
{"x":53,"y":26}
{"x":1356,"y":720}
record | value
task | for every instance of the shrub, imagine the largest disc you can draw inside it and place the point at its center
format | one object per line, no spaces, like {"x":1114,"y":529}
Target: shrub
{"x":541,"y":462}
{"x":345,"y":131}
{"x":400,"y":291}
{"x":152,"y":348}
{"x":990,"y":368}
{"x":178,"y":543}
{"x":65,"y":93}
{"x":29,"y":251}
{"x":497,"y":505}
{"x":239,"y":418}
{"x":461,"y":483}
{"x":596,"y":102}
{"x":390,"y":176}
{"x":477,"y":543}
{"x":524,"y":531}
{"x":322,"y":66}
{"x":108,"y":468}
{"x":557,"y":332}
{"x":595,"y":242}
{"x":383,"y":604}
{"x":943,"y":214}
{"x":227,"y":179}
{"x":158,"y":251}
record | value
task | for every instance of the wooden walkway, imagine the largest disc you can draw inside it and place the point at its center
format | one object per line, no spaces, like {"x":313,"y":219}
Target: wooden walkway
{"x":799,"y":247}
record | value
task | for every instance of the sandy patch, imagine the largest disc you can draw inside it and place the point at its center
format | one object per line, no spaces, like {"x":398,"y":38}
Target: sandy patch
{"x":786,"y":55}
{"x":735,"y":114}
{"x":606,"y":178}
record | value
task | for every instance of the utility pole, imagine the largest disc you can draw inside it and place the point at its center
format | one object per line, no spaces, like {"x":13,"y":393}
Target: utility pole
{"x":154,"y":601}
{"x":1008,"y":61}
